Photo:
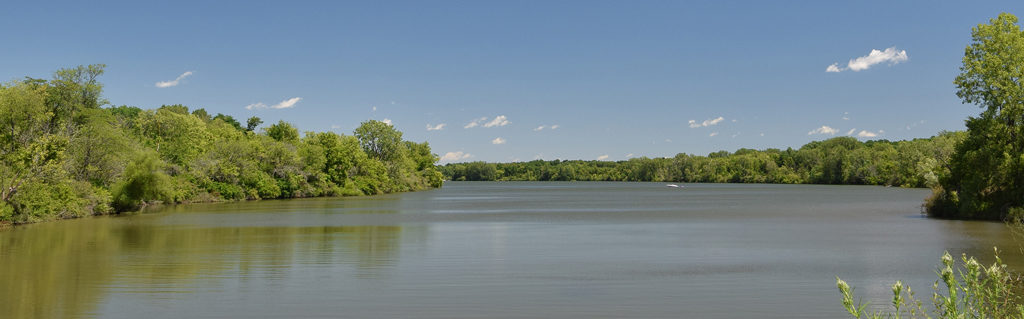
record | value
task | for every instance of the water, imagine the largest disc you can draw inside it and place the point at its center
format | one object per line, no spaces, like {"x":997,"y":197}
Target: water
{"x":493,"y":250}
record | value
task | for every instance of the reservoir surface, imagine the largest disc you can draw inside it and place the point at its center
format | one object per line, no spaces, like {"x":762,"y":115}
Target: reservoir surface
{"x":495,"y":250}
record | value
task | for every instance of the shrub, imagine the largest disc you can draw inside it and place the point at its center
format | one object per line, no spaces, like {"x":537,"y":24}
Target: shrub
{"x":970,"y":291}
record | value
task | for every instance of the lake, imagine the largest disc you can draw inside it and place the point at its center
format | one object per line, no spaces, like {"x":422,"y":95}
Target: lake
{"x":494,"y":250}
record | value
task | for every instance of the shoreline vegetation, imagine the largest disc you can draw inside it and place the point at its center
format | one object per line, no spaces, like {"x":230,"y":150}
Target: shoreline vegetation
{"x":985,"y":180}
{"x":840,"y":160}
{"x":63,"y":155}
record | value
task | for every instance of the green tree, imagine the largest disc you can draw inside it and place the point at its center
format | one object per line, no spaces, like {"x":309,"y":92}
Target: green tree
{"x":252,"y":123}
{"x":144,"y":181}
{"x":986,"y":177}
{"x":228,"y":119}
{"x":379,"y":140}
{"x":283,"y":131}
{"x":69,"y":92}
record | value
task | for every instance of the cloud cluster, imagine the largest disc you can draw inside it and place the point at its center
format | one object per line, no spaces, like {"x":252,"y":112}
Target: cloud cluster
{"x":455,"y":156}
{"x":542,"y":127}
{"x":706,"y":123}
{"x":864,"y":133}
{"x":386,"y":121}
{"x":475,"y":122}
{"x":824,"y":129}
{"x":500,"y":120}
{"x":498,"y":141}
{"x":175,"y":82}
{"x":890,"y":55}
{"x":602,"y":157}
{"x":436,"y":127}
{"x":289,"y":103}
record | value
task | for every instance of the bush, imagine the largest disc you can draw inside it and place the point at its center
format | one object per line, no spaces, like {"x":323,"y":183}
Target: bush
{"x":144,"y":181}
{"x":970,"y":291}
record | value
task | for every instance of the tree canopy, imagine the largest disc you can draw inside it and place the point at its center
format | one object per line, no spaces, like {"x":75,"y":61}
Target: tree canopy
{"x":986,"y":174}
{"x":62,"y":155}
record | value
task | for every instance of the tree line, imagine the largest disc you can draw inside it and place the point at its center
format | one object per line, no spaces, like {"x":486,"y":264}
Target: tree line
{"x":64,"y":155}
{"x":975,"y":174}
{"x":840,"y":160}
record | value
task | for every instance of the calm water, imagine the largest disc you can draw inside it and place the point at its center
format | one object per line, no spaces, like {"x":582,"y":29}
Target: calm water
{"x":493,"y":250}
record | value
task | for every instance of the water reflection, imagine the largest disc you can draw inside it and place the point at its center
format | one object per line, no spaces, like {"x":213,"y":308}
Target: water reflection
{"x":64,"y":269}
{"x":492,"y":250}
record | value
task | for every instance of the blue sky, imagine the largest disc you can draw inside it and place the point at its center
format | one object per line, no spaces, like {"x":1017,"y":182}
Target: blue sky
{"x":620,"y":79}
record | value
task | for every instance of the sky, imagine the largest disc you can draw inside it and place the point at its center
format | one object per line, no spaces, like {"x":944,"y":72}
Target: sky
{"x":505,"y":81}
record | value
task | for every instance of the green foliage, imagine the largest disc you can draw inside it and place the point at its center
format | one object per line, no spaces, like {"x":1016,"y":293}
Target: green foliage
{"x":228,"y":119}
{"x":283,"y":131}
{"x":252,"y":123}
{"x":840,"y":160}
{"x":379,"y":140}
{"x":986,"y":175}
{"x":181,"y":138}
{"x":144,"y":181}
{"x":968,"y":290}
{"x":63,"y":156}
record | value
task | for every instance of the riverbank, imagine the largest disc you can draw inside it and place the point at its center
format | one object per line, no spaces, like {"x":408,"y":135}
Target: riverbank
{"x":65,"y":153}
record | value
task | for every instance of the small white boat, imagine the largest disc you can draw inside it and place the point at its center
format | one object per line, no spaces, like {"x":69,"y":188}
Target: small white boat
{"x":671,"y":185}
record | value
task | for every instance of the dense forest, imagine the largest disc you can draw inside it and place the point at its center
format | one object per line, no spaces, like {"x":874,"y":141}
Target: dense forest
{"x":64,"y":155}
{"x":841,"y":160}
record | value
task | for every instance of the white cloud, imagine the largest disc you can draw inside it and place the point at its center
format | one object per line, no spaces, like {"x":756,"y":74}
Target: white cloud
{"x":475,"y":122}
{"x":455,"y":156}
{"x":501,"y":120}
{"x":846,"y":116}
{"x":175,"y":82}
{"x":386,"y":121}
{"x":375,"y":108}
{"x":850,"y":132}
{"x":436,"y":127}
{"x":498,"y":141}
{"x":868,"y":134}
{"x":713,"y":134}
{"x":629,"y":155}
{"x":706,"y":123}
{"x":335,"y":127}
{"x":602,"y":157}
{"x":542,"y":127}
{"x":283,"y":105}
{"x":668,"y":141}
{"x":823,"y":130}
{"x":762,"y":134}
{"x":890,"y":55}
{"x":289,"y":103}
